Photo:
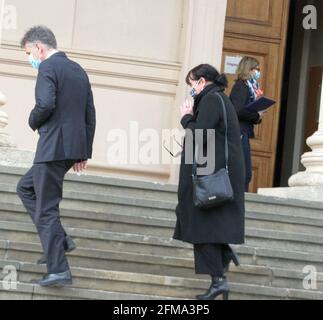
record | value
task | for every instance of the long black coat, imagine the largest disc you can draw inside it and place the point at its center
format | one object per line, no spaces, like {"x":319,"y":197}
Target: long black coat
{"x":64,"y":114}
{"x":223,"y":224}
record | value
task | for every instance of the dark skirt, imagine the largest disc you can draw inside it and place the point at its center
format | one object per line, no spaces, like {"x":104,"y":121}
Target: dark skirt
{"x":211,"y":258}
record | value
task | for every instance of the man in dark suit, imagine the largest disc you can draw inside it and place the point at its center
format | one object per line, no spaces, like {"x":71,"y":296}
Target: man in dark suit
{"x":64,"y":116}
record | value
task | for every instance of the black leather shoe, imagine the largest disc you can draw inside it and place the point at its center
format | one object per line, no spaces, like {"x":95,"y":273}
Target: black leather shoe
{"x":231,"y":256}
{"x":69,"y":246}
{"x":218,"y":286}
{"x":55,"y":280}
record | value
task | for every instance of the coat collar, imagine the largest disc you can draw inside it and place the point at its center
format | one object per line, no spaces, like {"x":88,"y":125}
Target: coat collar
{"x":210,"y":88}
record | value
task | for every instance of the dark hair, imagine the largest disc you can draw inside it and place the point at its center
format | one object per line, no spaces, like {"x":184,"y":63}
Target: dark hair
{"x":209,"y":73}
{"x":41,"y":34}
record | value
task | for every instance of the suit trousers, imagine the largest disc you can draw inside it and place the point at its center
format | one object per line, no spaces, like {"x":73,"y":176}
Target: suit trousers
{"x":41,"y":191}
{"x":211,"y":258}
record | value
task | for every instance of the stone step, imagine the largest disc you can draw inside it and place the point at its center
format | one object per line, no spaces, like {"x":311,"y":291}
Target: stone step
{"x":103,"y":240}
{"x":259,"y":259}
{"x":160,"y":226}
{"x":167,"y":218}
{"x":285,"y":222}
{"x":106,"y":260}
{"x":97,"y":220}
{"x":102,"y":185}
{"x":167,"y":193}
{"x":26,"y":291}
{"x":290,"y":207}
{"x":258,"y":275}
{"x":158,"y":245}
{"x":103,"y":284}
{"x":164,"y":212}
{"x":137,"y":252}
{"x":102,"y":203}
{"x":113,"y":281}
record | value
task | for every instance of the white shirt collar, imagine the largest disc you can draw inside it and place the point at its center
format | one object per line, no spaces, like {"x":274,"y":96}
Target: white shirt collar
{"x":52,"y":53}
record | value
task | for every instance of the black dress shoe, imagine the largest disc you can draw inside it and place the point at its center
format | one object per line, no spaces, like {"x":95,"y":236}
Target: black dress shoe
{"x":69,"y":246}
{"x":55,"y":280}
{"x":218,"y":286}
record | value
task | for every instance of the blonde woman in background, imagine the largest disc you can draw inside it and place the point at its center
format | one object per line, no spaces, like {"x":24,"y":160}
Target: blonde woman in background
{"x":245,"y":91}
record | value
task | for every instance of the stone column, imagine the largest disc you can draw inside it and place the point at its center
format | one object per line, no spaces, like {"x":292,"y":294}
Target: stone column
{"x":202,"y":42}
{"x":306,"y":185}
{"x":5,"y":139}
{"x":9,"y":154}
{"x":312,"y":161}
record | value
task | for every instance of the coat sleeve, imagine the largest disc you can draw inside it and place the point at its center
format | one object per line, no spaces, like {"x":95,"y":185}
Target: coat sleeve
{"x":45,"y":95}
{"x":90,"y":120}
{"x":240,"y":97}
{"x":207,"y":117}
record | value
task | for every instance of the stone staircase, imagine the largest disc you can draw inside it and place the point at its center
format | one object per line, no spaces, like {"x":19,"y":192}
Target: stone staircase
{"x":123,"y":231}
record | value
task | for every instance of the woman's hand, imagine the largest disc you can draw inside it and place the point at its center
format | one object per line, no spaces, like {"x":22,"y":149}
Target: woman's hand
{"x":259,"y":93}
{"x":187,"y":108}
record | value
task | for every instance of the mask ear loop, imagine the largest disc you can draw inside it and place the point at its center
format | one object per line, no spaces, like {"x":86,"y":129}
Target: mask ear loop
{"x":198,"y":82}
{"x":193,"y":91}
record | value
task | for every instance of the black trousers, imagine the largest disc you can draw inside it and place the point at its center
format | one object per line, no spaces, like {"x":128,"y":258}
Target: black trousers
{"x":247,"y":159}
{"x":211,"y":258}
{"x":41,"y":190}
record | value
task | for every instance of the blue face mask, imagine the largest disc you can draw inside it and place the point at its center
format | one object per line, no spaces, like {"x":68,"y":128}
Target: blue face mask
{"x":34,"y":62}
{"x":193,"y":92}
{"x":257,"y":75}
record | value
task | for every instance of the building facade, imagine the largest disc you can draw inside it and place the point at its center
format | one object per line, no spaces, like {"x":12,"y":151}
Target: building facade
{"x":137,"y":53}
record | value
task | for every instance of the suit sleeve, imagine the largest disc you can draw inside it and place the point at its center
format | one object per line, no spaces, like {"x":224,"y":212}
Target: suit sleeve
{"x":45,"y":95}
{"x":90,"y":120}
{"x":207,"y":118}
{"x":240,"y":97}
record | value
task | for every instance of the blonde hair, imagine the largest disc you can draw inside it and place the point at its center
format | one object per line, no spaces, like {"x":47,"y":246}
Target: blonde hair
{"x":245,"y":66}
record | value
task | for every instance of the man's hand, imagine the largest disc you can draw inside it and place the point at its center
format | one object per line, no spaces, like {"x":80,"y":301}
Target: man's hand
{"x":80,"y":166}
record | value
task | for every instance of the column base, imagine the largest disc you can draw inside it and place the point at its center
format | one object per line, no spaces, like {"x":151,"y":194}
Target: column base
{"x":6,"y":141}
{"x":16,"y":158}
{"x":306,"y":179}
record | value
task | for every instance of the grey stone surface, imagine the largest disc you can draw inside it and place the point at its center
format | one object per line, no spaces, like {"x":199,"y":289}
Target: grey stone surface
{"x":176,"y":287}
{"x":308,"y":193}
{"x":123,"y":231}
{"x":16,"y":157}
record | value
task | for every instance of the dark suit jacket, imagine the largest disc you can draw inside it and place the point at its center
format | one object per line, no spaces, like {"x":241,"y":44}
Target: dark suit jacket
{"x":64,"y":114}
{"x":241,"y":97}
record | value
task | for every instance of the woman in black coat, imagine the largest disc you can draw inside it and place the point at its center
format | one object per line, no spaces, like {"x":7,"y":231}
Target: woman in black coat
{"x":211,"y":230}
{"x":245,"y":91}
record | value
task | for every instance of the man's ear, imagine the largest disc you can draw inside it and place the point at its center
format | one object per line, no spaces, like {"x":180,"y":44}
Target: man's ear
{"x":40,"y":47}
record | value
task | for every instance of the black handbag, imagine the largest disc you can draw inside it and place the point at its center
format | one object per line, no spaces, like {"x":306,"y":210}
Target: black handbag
{"x":213,"y":190}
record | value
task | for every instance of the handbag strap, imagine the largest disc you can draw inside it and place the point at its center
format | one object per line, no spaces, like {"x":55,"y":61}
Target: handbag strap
{"x":225,"y":118}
